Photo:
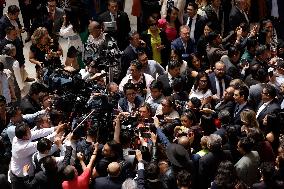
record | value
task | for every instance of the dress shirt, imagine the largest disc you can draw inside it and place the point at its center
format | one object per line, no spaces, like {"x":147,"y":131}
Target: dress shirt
{"x":262,"y":108}
{"x":27,"y":117}
{"x":53,"y":149}
{"x":22,"y":151}
{"x":148,"y":79}
{"x":173,"y":115}
{"x":153,"y":68}
{"x":4,"y":87}
{"x":218,"y":87}
{"x":192,"y":26}
{"x":282,"y":105}
{"x":274,"y":9}
{"x":239,"y":107}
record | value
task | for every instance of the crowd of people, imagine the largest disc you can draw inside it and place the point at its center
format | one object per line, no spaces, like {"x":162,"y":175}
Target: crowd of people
{"x":191,"y":99}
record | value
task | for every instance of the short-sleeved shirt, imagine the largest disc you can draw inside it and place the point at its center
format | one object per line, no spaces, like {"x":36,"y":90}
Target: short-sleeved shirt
{"x":81,"y":182}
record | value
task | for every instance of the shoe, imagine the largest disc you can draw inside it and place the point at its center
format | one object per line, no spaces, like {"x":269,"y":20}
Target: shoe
{"x":28,"y":79}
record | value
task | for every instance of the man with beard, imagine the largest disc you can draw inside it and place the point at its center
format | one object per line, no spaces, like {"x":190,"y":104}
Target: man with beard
{"x":219,"y":80}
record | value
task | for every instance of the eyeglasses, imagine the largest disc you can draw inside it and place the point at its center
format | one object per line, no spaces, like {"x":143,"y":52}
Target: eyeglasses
{"x":203,"y":81}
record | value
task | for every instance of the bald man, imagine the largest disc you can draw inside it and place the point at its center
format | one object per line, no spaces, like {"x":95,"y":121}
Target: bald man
{"x":113,"y":179}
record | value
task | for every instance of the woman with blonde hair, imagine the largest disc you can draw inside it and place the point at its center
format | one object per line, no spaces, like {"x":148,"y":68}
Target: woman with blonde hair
{"x":44,"y":52}
{"x":248,"y":118}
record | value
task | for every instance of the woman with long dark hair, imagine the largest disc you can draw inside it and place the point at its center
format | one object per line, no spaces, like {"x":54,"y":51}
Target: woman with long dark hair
{"x":171,"y":24}
{"x":201,"y":88}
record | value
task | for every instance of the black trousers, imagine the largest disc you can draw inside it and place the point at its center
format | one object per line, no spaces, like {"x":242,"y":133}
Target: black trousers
{"x":17,"y":182}
{"x":27,"y":14}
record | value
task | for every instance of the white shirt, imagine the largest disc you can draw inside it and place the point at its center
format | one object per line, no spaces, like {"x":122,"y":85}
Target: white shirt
{"x":218,"y":87}
{"x":262,"y":108}
{"x":148,"y":79}
{"x":73,"y":38}
{"x":274,"y":9}
{"x":192,"y":27}
{"x":199,"y":94}
{"x":22,"y":151}
{"x":173,"y":115}
{"x":4,"y":84}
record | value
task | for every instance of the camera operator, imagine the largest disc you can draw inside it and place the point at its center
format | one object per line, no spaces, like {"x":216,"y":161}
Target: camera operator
{"x":101,"y":46}
{"x":113,"y":94}
{"x":131,"y":101}
{"x":141,"y":80}
{"x":92,"y":73}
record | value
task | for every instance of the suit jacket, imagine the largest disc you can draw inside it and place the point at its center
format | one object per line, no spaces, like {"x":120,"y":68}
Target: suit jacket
{"x":237,"y":117}
{"x":272,"y":107}
{"x":247,"y":168}
{"x":107,"y":183}
{"x":177,"y":44}
{"x":236,"y":18}
{"x":29,"y":106}
{"x":58,"y":20}
{"x":213,"y":17}
{"x":167,"y":89}
{"x":230,"y":106}
{"x":164,"y":41}
{"x":123,"y":103}
{"x":212,"y":79}
{"x":199,"y":26}
{"x":5,"y":23}
{"x":128,"y":55}
{"x":208,"y":166}
{"x":123,"y":27}
{"x":19,"y":49}
{"x":214,"y":54}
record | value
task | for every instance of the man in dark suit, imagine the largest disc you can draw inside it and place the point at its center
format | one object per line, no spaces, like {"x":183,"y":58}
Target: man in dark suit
{"x":194,"y":21}
{"x":112,"y":180}
{"x":227,"y":103}
{"x":116,"y":23}
{"x":215,"y":49}
{"x":238,"y":15}
{"x":277,"y":16}
{"x":167,"y":78}
{"x":214,"y":14}
{"x":269,"y":103}
{"x":55,"y":17}
{"x":130,"y":53}
{"x":241,"y":94}
{"x":209,"y":163}
{"x":184,"y":45}
{"x":10,"y":19}
{"x":219,"y":80}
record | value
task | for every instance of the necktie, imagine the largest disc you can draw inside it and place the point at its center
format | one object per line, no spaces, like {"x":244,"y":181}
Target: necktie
{"x":236,"y":109}
{"x":221,"y":88}
{"x":190,"y":22}
{"x":51,"y":16}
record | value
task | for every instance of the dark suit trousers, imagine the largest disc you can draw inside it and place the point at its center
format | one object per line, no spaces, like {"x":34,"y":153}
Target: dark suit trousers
{"x":17,"y":182}
{"x":26,"y":11}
